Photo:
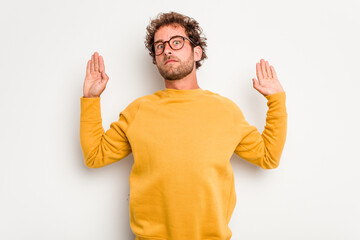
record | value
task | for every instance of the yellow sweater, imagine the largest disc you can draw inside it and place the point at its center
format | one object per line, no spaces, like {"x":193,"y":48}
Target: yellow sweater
{"x":182,"y":182}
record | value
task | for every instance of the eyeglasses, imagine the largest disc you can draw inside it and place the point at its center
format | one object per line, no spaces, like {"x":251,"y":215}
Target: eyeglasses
{"x":175,"y":42}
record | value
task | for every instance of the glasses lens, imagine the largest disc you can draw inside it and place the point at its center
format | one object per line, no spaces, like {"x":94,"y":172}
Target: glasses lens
{"x":159,"y":48}
{"x":177,"y":42}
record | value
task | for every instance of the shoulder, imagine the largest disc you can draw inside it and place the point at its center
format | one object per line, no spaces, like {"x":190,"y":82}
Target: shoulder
{"x":226,"y":101}
{"x":139,"y":100}
{"x":134,"y":106}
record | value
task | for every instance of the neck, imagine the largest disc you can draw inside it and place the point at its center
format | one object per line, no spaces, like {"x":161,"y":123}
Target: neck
{"x":188,"y":82}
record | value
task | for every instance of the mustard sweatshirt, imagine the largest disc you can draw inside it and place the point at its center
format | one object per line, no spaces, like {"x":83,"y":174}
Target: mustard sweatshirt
{"x":182,"y":182}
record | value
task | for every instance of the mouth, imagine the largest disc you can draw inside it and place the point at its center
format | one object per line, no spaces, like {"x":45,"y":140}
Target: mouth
{"x":170,"y":60}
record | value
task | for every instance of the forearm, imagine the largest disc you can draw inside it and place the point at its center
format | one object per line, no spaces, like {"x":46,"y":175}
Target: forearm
{"x":274,"y":134}
{"x":102,"y":148}
{"x":91,"y":129}
{"x":265,"y":149}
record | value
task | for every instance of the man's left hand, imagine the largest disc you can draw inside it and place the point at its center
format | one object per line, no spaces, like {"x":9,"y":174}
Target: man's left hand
{"x":267,"y":82}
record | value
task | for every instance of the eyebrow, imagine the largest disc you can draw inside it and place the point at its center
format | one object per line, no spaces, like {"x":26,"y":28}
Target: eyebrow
{"x":160,"y":40}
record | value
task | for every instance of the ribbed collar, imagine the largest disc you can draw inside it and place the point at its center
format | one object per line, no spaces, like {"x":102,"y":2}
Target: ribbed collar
{"x":183,"y":92}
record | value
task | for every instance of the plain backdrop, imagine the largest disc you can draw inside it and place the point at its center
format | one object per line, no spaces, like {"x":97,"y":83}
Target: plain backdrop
{"x":46,"y":190}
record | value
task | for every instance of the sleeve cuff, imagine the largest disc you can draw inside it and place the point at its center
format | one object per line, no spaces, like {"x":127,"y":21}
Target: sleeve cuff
{"x":276,"y":104}
{"x":90,"y":109}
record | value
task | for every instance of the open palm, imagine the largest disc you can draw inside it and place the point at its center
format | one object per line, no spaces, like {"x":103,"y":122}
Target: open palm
{"x":96,"y":78}
{"x":267,"y":82}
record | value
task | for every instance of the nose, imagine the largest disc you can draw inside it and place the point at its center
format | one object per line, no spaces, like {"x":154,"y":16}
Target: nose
{"x":167,"y":48}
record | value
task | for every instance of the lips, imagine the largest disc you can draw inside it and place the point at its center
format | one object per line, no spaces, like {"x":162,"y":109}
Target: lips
{"x":170,"y":60}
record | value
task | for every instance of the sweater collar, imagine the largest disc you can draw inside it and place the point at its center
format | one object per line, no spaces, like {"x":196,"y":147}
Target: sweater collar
{"x":183,"y":92}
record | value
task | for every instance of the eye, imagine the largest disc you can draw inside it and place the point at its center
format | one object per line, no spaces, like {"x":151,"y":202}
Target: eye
{"x":160,"y":46}
{"x":176,"y":42}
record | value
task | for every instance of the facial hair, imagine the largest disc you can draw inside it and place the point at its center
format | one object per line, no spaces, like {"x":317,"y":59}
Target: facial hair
{"x":174,"y":72}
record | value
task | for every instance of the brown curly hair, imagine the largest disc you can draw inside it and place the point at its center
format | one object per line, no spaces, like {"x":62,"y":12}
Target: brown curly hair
{"x":191,"y":26}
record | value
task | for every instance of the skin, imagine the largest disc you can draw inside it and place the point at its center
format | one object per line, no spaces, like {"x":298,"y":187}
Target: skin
{"x":267,"y":82}
{"x":182,"y":56}
{"x":96,"y":79}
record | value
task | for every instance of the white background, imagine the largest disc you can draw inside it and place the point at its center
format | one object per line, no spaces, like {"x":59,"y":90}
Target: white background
{"x":48,"y":193}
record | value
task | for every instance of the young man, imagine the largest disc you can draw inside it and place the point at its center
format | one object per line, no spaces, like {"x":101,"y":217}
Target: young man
{"x":182,"y":138}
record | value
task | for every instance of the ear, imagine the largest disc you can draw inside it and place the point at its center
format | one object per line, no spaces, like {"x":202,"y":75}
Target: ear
{"x":197,"y":53}
{"x":154,"y":60}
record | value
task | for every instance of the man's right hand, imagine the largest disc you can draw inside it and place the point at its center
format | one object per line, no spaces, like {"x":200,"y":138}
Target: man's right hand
{"x":96,"y":78}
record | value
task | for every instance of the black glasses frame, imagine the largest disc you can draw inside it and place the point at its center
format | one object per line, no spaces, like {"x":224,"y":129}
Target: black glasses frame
{"x":170,"y":44}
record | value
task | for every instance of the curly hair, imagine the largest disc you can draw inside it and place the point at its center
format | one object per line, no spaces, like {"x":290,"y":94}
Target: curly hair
{"x":191,"y":26}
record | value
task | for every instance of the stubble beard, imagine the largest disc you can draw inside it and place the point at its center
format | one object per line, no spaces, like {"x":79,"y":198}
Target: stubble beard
{"x":183,"y":69}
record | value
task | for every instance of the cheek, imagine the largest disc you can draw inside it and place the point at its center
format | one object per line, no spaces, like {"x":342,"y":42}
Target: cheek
{"x":158,"y":60}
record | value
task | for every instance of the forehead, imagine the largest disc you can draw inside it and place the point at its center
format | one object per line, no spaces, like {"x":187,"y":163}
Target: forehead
{"x":164,"y":33}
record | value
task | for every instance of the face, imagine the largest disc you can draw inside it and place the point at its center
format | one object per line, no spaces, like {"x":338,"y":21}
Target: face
{"x":182,"y":60}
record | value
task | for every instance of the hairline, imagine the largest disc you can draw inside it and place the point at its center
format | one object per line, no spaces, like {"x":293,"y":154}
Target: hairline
{"x":173,"y":24}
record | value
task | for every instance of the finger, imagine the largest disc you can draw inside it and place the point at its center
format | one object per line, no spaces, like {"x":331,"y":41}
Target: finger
{"x":104,"y":76}
{"x":102,"y":65}
{"x":273,"y":72}
{"x":263,"y":68}
{"x":258,"y":72}
{"x":255,"y":83}
{"x":96,"y":61}
{"x":88,"y":67}
{"x":268,"y":71}
{"x":92,"y":64}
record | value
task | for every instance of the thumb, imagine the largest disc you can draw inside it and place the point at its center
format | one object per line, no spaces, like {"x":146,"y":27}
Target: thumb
{"x":255,"y":83}
{"x":105,"y":77}
{"x":257,"y":86}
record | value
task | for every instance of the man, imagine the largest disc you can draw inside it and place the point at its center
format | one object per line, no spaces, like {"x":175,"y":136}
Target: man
{"x":182,"y":138}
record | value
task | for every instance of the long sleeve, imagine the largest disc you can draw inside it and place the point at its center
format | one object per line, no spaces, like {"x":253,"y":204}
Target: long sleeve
{"x":182,"y":183}
{"x":265,"y":150}
{"x":102,"y":148}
